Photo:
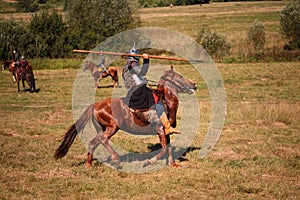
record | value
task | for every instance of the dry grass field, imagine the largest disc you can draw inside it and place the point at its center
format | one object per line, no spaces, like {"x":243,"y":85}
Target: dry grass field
{"x":232,"y":19}
{"x":256,"y":157}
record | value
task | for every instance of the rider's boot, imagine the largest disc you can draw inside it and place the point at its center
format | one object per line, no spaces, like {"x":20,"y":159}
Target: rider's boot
{"x":167,"y":126}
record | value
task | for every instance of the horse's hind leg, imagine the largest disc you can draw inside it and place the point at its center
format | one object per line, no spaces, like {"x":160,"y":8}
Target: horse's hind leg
{"x":18,"y":86}
{"x":103,"y":138}
{"x":92,"y":146}
{"x":94,"y":143}
{"x":23,"y":83}
{"x":31,"y":83}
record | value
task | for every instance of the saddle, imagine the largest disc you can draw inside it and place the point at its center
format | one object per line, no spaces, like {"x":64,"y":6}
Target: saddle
{"x":140,"y":114}
{"x":146,"y":115}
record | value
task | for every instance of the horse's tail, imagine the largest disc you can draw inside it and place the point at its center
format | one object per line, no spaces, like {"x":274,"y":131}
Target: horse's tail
{"x":71,"y":134}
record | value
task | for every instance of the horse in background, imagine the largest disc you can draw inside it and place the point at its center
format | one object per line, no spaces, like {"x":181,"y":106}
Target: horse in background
{"x":5,"y":64}
{"x":23,"y":73}
{"x":105,"y":72}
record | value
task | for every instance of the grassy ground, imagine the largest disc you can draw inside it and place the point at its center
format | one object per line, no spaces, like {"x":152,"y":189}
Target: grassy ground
{"x":257,"y":156}
{"x":230,"y":18}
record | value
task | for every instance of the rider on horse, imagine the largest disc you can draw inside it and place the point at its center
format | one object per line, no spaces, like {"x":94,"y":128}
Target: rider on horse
{"x":16,"y":60}
{"x":139,"y":96}
{"x":101,"y":66}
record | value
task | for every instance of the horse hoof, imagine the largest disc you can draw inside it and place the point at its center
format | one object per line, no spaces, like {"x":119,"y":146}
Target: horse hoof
{"x":147,"y":163}
{"x":88,"y":165}
{"x":175,"y":165}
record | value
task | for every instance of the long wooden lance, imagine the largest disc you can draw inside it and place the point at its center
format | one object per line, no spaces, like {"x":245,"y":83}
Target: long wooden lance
{"x":137,"y":55}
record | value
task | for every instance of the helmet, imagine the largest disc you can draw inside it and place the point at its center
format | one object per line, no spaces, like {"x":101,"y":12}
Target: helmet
{"x":14,"y":51}
{"x":133,"y":50}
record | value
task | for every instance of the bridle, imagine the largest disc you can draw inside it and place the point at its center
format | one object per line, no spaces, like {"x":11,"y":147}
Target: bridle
{"x":177,"y":82}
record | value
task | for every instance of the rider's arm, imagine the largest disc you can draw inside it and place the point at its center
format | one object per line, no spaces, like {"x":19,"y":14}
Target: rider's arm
{"x":145,"y":66}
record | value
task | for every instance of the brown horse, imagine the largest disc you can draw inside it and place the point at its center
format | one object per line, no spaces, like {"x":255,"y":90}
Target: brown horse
{"x":5,"y":64}
{"x":112,"y":114}
{"x":99,"y":75}
{"x":22,"y":73}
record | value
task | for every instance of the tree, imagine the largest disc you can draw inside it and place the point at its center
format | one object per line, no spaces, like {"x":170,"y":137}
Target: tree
{"x":27,"y":5}
{"x":46,"y":29}
{"x":213,"y":42}
{"x":11,"y":33}
{"x":94,"y":20}
{"x":257,"y":36}
{"x":290,"y":23}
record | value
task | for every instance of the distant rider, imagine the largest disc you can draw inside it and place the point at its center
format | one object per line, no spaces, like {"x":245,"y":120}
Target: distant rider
{"x":16,"y":62}
{"x":101,"y":66}
{"x":16,"y":58}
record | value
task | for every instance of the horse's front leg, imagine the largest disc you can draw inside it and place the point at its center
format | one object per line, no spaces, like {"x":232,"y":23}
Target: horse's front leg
{"x":171,"y":161}
{"x":163,"y":142}
{"x":172,"y":117}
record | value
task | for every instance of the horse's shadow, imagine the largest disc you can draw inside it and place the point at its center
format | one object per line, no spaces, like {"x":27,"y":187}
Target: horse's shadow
{"x":107,"y":86}
{"x":136,"y":156}
{"x":182,"y":151}
{"x":35,"y":91}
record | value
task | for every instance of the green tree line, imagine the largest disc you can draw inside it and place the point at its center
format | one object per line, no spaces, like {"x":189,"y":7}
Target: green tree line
{"x":89,"y":22}
{"x":86,"y":24}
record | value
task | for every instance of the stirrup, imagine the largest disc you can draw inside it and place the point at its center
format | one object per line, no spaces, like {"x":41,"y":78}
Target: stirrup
{"x":171,"y":131}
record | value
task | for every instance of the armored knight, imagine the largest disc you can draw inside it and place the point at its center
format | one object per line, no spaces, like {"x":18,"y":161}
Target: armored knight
{"x":139,"y":96}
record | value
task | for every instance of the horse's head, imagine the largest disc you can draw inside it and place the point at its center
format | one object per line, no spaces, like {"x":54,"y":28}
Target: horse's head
{"x":87,"y":65}
{"x":177,"y":82}
{"x":91,"y":66}
{"x":11,"y":67}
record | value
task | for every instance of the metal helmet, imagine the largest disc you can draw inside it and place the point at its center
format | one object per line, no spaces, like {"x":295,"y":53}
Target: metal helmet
{"x":133,"y":50}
